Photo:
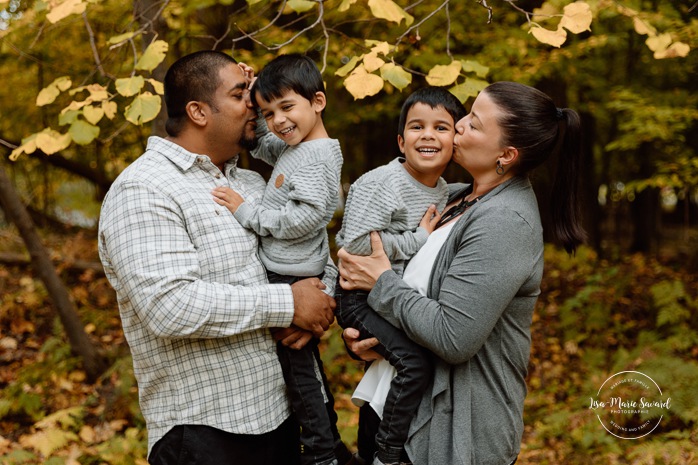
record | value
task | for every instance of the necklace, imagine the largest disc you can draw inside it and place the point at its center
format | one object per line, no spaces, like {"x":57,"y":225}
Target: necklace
{"x":456,"y":210}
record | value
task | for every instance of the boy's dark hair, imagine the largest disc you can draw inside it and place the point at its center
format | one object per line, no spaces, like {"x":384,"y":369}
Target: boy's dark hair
{"x":434,"y":97}
{"x":285,"y":73}
{"x":192,"y":78}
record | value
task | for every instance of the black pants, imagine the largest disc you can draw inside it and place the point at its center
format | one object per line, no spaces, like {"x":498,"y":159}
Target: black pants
{"x":411,"y":361}
{"x":204,"y":445}
{"x":318,"y":421}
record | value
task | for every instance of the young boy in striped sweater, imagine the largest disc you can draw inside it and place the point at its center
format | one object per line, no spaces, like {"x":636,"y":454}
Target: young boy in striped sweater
{"x":393,"y":199}
{"x":291,"y":220}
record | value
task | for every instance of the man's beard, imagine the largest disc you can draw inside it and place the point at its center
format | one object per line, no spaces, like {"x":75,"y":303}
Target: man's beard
{"x":249,"y":143}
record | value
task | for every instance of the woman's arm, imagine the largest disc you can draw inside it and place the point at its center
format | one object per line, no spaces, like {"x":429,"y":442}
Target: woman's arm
{"x":496,"y":256}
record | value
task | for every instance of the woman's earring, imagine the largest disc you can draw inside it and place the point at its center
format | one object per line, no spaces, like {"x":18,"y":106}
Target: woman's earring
{"x":500,"y":168}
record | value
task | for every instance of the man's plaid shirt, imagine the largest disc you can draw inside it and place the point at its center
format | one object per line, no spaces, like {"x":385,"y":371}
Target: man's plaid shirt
{"x":193,"y":295}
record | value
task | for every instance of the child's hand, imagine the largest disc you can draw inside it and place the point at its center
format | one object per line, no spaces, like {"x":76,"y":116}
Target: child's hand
{"x":228,"y":198}
{"x":430,"y":218}
{"x":248,"y":72}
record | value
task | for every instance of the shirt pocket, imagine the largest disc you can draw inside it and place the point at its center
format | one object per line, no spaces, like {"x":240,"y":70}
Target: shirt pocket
{"x":223,"y":246}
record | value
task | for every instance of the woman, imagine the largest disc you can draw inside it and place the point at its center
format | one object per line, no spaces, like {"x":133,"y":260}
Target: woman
{"x":484,"y":280}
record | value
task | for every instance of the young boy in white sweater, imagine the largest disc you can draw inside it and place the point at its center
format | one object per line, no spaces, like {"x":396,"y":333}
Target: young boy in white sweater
{"x":291,"y":220}
{"x":393,"y":199}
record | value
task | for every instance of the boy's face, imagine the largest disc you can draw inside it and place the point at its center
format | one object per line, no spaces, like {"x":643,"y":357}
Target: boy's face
{"x":293,"y":118}
{"x":427,"y":142}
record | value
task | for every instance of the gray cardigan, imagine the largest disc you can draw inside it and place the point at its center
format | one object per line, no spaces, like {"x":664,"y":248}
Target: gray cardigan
{"x":476,"y":319}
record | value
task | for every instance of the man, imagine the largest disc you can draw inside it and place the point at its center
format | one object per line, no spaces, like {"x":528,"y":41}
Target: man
{"x":194,"y":299}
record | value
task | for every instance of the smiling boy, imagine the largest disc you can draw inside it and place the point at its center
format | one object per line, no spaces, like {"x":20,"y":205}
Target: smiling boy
{"x":291,"y":219}
{"x":394,"y":199}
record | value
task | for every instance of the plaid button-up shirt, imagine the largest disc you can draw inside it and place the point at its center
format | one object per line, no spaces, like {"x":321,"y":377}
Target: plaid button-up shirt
{"x":193,"y":295}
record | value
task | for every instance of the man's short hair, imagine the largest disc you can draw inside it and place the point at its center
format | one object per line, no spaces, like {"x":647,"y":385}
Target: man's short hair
{"x":192,"y":78}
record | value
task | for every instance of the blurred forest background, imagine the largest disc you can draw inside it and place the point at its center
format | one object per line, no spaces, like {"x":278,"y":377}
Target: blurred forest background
{"x":80,"y":95}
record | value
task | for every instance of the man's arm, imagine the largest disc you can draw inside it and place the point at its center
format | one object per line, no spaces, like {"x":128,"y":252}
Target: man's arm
{"x":155,"y":266}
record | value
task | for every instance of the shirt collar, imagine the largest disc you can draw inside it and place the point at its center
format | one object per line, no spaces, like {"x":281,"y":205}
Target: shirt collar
{"x":183,"y":158}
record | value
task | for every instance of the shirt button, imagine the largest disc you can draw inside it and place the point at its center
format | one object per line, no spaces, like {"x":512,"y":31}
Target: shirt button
{"x":218,"y":212}
{"x":218,"y":176}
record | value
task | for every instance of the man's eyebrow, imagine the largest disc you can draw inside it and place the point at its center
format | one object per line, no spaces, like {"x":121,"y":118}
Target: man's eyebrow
{"x":239,"y":85}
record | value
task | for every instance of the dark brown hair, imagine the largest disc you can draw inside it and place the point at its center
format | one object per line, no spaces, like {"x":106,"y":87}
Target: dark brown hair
{"x":532,"y":124}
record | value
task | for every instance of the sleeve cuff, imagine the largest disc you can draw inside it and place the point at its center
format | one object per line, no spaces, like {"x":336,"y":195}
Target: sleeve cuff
{"x":280,"y":306}
{"x":244,"y":214}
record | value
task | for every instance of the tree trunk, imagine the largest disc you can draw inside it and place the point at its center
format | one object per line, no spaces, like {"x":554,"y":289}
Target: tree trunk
{"x":644,"y":209}
{"x":15,"y":211}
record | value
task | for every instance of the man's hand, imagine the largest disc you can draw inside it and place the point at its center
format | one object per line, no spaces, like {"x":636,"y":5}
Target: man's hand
{"x":292,"y":337}
{"x":313,"y":310}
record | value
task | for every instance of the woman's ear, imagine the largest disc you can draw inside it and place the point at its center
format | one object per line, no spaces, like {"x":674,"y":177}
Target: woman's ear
{"x":319,"y":102}
{"x":197,"y":112}
{"x":509,"y":156}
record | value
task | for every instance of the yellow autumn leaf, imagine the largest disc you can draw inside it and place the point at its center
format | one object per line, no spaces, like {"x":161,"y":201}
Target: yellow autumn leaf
{"x":643,"y":28}
{"x":49,"y":93}
{"x":379,"y":47}
{"x":87,"y":434}
{"x":27,"y":146}
{"x":444,"y":75}
{"x":659,"y":43}
{"x":253,"y":2}
{"x":577,"y":17}
{"x":65,"y":9}
{"x":120,"y":38}
{"x":361,"y":84}
{"x":300,"y":6}
{"x":347,"y":68}
{"x":390,"y":11}
{"x":109,"y":109}
{"x":50,"y":141}
{"x":93,"y":114}
{"x":97,"y":92}
{"x":153,"y":56}
{"x":546,"y":36}
{"x":129,"y":86}
{"x":675,"y":50}
{"x":344,"y":6}
{"x":157,"y":86}
{"x":372,"y":62}
{"x":144,"y":108}
{"x":396,"y":75}
{"x":546,"y":11}
{"x":47,"y":441}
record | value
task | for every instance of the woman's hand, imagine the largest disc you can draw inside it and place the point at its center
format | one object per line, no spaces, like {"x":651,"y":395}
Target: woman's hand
{"x":362,"y":272}
{"x":363,"y":348}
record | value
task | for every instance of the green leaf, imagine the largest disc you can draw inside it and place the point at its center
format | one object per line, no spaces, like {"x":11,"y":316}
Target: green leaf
{"x":346,"y":69}
{"x":83,"y":132}
{"x":153,"y":56}
{"x":300,"y":6}
{"x":345,"y":5}
{"x":68,"y":117}
{"x":144,"y":108}
{"x":390,"y":11}
{"x":120,"y":38}
{"x":470,"y":66}
{"x":470,"y":88}
{"x":396,"y":75}
{"x":129,"y":86}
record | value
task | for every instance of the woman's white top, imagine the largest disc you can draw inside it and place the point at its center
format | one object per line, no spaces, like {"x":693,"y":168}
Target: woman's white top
{"x":375,"y":384}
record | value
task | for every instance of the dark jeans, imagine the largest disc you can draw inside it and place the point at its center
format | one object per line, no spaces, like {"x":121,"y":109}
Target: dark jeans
{"x":204,"y":445}
{"x":412,"y":362}
{"x":319,"y":435}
